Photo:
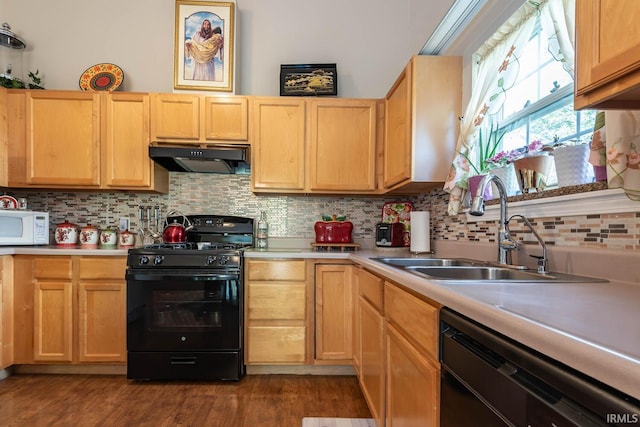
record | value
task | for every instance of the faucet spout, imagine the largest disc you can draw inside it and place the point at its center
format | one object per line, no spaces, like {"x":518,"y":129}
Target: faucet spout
{"x":542,"y":260}
{"x":505,"y":242}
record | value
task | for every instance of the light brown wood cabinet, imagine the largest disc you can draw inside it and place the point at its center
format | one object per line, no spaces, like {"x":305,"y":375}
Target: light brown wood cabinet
{"x":198,"y":119}
{"x":6,"y":311}
{"x":81,"y":140}
{"x":124,"y":143}
{"x":276,"y":321}
{"x":607,"y":73}
{"x":4,"y":141}
{"x":421,"y":124}
{"x":398,"y":353}
{"x":314,"y":145}
{"x":371,"y":346}
{"x":70,"y":309}
{"x":334,"y":312}
{"x":412,"y":366}
{"x":278,"y":145}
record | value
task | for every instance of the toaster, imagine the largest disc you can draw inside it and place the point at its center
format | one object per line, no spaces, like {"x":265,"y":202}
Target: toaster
{"x":389,"y":234}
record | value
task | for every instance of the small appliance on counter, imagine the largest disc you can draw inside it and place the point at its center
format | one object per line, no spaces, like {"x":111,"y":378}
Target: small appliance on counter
{"x":390,"y":234}
{"x":22,"y":227}
{"x":394,"y":229}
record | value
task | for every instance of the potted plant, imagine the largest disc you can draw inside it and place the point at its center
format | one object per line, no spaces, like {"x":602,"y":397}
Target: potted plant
{"x":480,"y":163}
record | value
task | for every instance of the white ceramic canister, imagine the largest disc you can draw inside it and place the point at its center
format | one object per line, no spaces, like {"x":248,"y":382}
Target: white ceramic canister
{"x":108,"y":238}
{"x":126,"y":239}
{"x":66,"y":235}
{"x":89,"y":237}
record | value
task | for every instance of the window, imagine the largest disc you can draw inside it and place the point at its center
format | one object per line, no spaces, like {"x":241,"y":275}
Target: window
{"x":539,"y":105}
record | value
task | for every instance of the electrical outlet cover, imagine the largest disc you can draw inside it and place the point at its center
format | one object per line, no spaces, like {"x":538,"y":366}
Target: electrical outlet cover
{"x":124,"y":224}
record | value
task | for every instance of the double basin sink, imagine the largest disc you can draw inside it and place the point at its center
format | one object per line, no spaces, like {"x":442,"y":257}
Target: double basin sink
{"x":472,"y":271}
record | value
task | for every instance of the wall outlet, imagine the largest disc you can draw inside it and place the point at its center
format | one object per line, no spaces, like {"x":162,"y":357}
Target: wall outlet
{"x":124,"y":224}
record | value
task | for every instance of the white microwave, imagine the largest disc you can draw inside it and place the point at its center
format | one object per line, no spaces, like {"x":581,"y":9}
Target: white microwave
{"x":19,"y":227}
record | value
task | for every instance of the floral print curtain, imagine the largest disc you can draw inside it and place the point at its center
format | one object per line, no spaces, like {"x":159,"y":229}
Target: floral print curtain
{"x":616,"y":144}
{"x":497,"y":70}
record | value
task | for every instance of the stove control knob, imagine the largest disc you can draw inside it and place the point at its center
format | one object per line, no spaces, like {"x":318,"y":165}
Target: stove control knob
{"x":223,"y":260}
{"x":144,"y":260}
{"x":211,"y":260}
{"x":158,"y":260}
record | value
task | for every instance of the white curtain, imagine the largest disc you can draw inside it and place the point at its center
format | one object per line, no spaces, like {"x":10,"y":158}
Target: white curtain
{"x":558,"y":24}
{"x":616,"y":144}
{"x":498,"y":68}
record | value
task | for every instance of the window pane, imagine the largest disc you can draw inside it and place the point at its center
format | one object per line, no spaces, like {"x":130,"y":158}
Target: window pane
{"x":556,"y":120}
{"x":515,"y":138}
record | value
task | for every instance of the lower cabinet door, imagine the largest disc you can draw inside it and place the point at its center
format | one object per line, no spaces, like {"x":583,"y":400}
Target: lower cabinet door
{"x":412,"y":384}
{"x":53,"y":321}
{"x":102,"y":322}
{"x":372,"y":359}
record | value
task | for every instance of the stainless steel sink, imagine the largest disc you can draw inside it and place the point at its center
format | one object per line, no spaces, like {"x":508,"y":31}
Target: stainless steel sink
{"x":479,"y":273}
{"x":427,"y":262}
{"x":471,"y":271}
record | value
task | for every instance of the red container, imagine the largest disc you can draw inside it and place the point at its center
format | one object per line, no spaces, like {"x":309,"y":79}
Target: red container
{"x":333,"y":231}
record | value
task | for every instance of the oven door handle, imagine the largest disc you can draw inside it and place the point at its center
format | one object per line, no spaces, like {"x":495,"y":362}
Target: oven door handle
{"x":181,"y":275}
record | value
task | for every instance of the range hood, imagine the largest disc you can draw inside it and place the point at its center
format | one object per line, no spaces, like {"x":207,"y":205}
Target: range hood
{"x":214,"y":159}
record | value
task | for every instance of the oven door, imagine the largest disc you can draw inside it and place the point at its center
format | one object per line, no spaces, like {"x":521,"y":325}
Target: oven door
{"x":177,"y":310}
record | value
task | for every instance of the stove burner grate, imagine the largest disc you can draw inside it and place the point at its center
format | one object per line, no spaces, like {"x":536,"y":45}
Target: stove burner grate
{"x":183,"y":245}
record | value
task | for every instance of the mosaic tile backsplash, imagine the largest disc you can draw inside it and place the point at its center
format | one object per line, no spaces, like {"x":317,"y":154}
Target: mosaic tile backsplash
{"x":294,"y":216}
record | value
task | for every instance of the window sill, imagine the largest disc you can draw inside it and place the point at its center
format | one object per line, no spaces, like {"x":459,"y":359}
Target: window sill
{"x":583,"y":203}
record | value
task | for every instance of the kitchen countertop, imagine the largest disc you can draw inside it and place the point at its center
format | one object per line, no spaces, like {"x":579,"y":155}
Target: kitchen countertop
{"x":53,"y":250}
{"x":591,"y":327}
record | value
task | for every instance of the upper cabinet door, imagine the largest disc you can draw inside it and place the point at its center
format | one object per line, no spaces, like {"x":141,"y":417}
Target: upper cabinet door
{"x":421,"y":123}
{"x":126,"y":140}
{"x":4,"y":145}
{"x":226,"y":118}
{"x":63,"y":138}
{"x":397,"y":141}
{"x":175,"y":118}
{"x":278,"y":144}
{"x":342,"y":145}
{"x":607,"y":54}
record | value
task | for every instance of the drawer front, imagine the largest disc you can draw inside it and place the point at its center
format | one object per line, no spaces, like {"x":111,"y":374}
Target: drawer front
{"x":274,"y":301}
{"x":415,"y":318}
{"x":103,"y":267}
{"x":371,"y":287}
{"x":52,"y":267}
{"x":276,"y":270}
{"x":276,"y":344}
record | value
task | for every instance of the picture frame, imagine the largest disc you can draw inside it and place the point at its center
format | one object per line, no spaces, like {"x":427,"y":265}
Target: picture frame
{"x":308,"y":80}
{"x":204,"y":44}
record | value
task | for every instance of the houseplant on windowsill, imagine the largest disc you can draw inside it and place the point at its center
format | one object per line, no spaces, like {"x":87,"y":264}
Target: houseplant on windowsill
{"x":482,"y":152}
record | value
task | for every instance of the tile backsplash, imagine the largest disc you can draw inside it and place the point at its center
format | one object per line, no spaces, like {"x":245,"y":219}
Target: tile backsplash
{"x":294,"y":215}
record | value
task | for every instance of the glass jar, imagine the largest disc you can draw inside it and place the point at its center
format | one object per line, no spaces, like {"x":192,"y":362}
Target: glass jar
{"x":262,"y":232}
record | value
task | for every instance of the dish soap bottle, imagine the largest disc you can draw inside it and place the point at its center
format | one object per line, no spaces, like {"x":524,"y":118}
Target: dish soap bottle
{"x":263,"y":231}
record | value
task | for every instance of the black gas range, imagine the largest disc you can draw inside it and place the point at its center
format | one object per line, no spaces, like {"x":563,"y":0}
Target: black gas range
{"x":185,"y":303}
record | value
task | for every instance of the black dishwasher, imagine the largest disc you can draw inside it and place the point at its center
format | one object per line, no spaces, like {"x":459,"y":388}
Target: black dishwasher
{"x":489,"y":380}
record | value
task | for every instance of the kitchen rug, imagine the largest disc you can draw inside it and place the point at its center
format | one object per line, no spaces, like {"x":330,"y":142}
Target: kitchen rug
{"x":337,"y":422}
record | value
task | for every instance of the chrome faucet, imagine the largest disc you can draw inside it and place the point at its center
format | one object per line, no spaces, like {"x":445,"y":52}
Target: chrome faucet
{"x":505,"y":242}
{"x":542,"y":260}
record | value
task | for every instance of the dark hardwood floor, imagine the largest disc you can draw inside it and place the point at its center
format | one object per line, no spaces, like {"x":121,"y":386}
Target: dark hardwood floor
{"x":101,"y":400}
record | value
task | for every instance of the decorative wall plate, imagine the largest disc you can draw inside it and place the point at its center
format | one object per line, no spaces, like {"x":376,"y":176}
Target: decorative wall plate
{"x":8,"y":202}
{"x":103,"y":76}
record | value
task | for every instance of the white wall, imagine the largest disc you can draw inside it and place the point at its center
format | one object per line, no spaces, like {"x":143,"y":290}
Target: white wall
{"x":370,"y":40}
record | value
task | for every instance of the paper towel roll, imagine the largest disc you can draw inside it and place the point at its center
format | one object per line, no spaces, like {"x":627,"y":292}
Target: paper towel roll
{"x":420,"y":232}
